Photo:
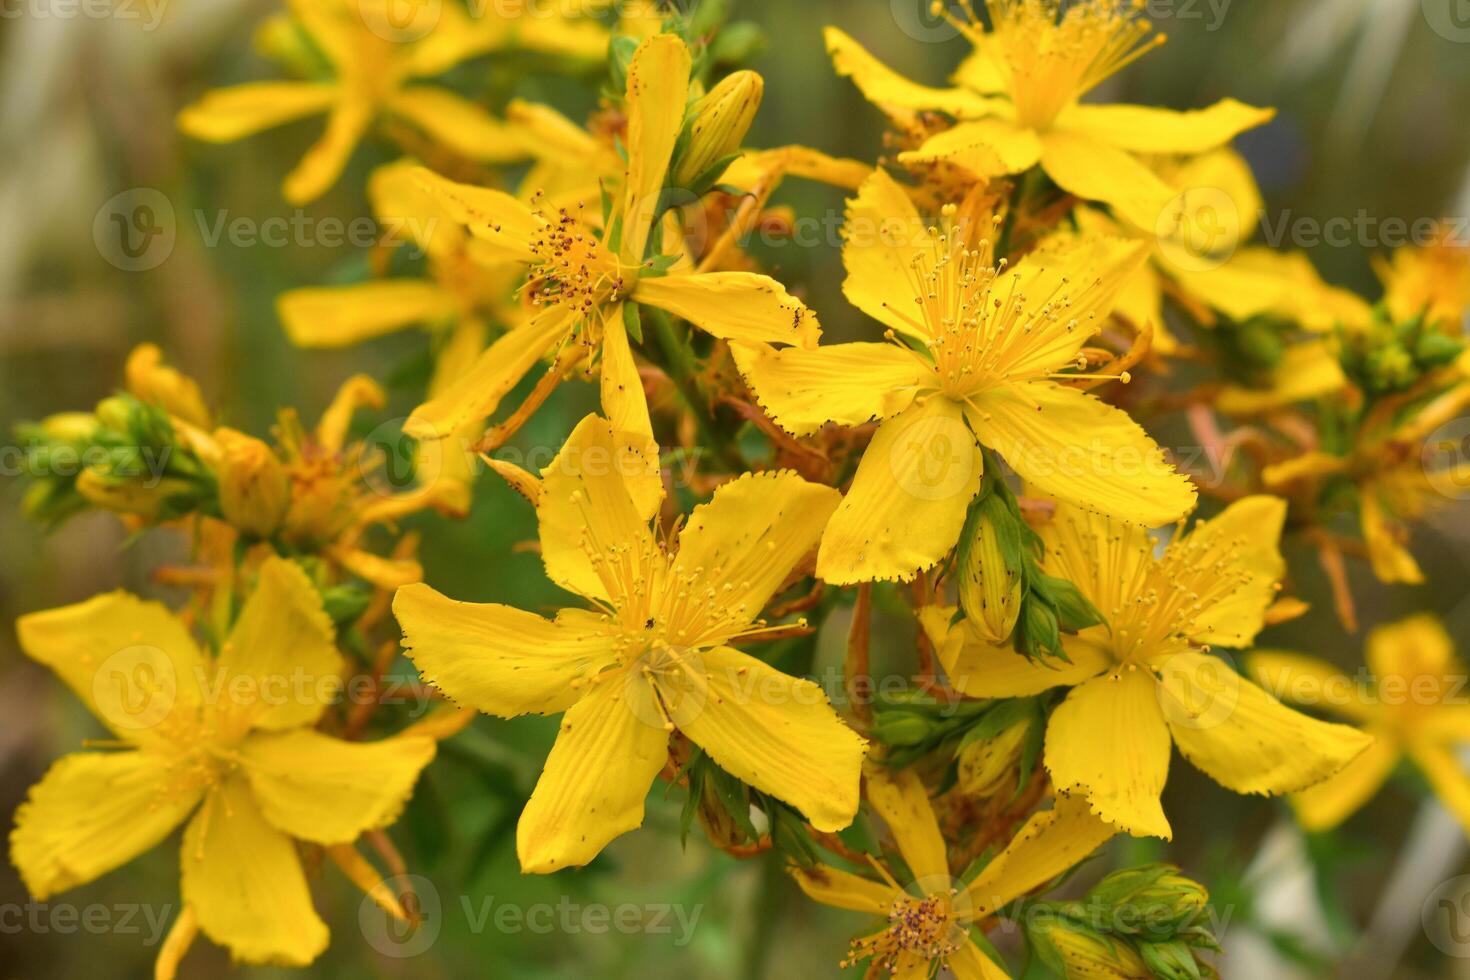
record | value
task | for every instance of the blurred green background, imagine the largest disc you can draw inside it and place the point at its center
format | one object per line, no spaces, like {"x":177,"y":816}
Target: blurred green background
{"x":1373,"y":102}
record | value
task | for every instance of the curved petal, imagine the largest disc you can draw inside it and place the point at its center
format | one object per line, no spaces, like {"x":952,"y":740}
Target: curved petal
{"x":1306,"y":372}
{"x":227,"y":114}
{"x":1385,"y":539}
{"x":327,"y":158}
{"x":882,"y":86}
{"x":340,"y":316}
{"x":459,"y":124}
{"x":1330,"y":802}
{"x":842,"y":890}
{"x":1147,"y":129}
{"x":280,"y":667}
{"x":589,"y":522}
{"x":1097,"y":171}
{"x":494,"y":217}
{"x":1446,"y":774}
{"x":625,"y":404}
{"x":1416,"y":647}
{"x":594,"y":783}
{"x":983,"y":670}
{"x":658,"y":93}
{"x":1309,"y":682}
{"x":328,"y":791}
{"x":985,"y":147}
{"x":1242,"y":737}
{"x":881,"y":237}
{"x":850,"y":384}
{"x":502,"y":661}
{"x":1051,"y":843}
{"x":970,"y":962}
{"x":901,"y":800}
{"x":1107,"y":741}
{"x":245,"y":883}
{"x":739,"y":306}
{"x":908,"y":500}
{"x":746,"y":541}
{"x":93,"y":812}
{"x":131,"y":662}
{"x":1081,"y":450}
{"x":779,"y":734}
{"x":1241,"y":548}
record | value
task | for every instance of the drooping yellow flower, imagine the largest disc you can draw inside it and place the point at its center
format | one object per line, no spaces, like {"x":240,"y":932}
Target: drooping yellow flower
{"x":980,"y":363}
{"x":1017,"y":102}
{"x":928,"y":923}
{"x":580,"y":276}
{"x":1414,"y":708}
{"x":224,"y":742}
{"x":373,"y":74}
{"x":654,"y":658}
{"x":1433,"y":280}
{"x":1143,"y":679}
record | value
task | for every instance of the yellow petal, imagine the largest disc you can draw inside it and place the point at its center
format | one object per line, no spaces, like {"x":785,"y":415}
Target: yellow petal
{"x":1147,"y":129}
{"x":979,"y":71}
{"x":780,"y":735}
{"x":322,"y":789}
{"x":1241,"y":545}
{"x":1446,"y":774}
{"x":1052,"y":842}
{"x":625,"y":404}
{"x":1242,"y":737}
{"x":1330,"y":802}
{"x":327,"y":158}
{"x":340,"y":316}
{"x":280,"y":667}
{"x":908,"y":500}
{"x":1081,"y":450}
{"x":1096,"y":171}
{"x":882,"y":236}
{"x":844,"y":383}
{"x":243,"y":879}
{"x":658,"y":92}
{"x":227,"y":114}
{"x":358,"y":391}
{"x":1411,"y":648}
{"x":494,"y":217}
{"x":459,"y":124}
{"x":445,"y":469}
{"x":1307,"y":372}
{"x":900,"y":799}
{"x":586,"y":503}
{"x":983,"y":670}
{"x":1108,"y":742}
{"x":1261,"y":280}
{"x":131,"y":662}
{"x":747,"y":540}
{"x":843,"y":890}
{"x":970,"y":962}
{"x":499,"y":659}
{"x":93,"y":812}
{"x":734,"y":306}
{"x":883,"y":86}
{"x":1223,"y":172}
{"x":595,"y":780}
{"x":477,"y":393}
{"x":1391,"y":559}
{"x":985,"y":147}
{"x":1309,"y":682}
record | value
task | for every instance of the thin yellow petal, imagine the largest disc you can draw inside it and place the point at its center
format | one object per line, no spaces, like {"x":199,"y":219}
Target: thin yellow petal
{"x":1392,"y":561}
{"x":1242,"y":544}
{"x":658,"y":92}
{"x":843,"y":890}
{"x":882,"y":236}
{"x":227,"y":114}
{"x":327,"y":158}
{"x":1446,"y":774}
{"x":625,"y":404}
{"x":739,"y":306}
{"x":340,"y":316}
{"x":970,"y":962}
{"x":1097,"y":171}
{"x":1327,"y":804}
{"x":844,"y":383}
{"x":459,"y":124}
{"x":985,"y":147}
{"x":1147,"y":129}
{"x":1051,"y":843}
{"x":883,"y":86}
{"x":492,"y":216}
{"x":899,"y":797}
{"x":1306,"y":373}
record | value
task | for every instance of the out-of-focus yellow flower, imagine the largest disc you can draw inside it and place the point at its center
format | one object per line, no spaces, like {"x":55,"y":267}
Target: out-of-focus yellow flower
{"x":1017,"y":102}
{"x":928,"y":923}
{"x":254,"y":487}
{"x":1432,"y":280}
{"x":1414,"y":708}
{"x":655,"y":657}
{"x":150,"y":380}
{"x":227,"y":739}
{"x":980,"y":362}
{"x":1307,"y":371}
{"x":1142,"y":680}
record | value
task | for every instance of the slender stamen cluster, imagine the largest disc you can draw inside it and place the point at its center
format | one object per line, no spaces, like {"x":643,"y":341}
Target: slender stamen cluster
{"x":572,"y":269}
{"x":922,"y":926}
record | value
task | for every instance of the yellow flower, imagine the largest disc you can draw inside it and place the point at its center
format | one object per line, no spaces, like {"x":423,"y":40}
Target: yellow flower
{"x":1017,"y":102}
{"x":983,"y":349}
{"x":1307,"y":371}
{"x":1433,"y":280}
{"x":373,"y":72}
{"x":1143,"y":679}
{"x":1415,"y":708}
{"x":653,"y":658}
{"x":227,"y":739}
{"x":580,"y":277}
{"x":929,"y":922}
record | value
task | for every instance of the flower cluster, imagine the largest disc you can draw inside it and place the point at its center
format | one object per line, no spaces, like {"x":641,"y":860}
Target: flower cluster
{"x":1033,"y":272}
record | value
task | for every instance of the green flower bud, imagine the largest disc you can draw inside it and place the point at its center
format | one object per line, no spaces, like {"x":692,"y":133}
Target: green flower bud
{"x":990,"y":571}
{"x":903,"y":727}
{"x":1154,"y":901}
{"x":991,"y":766}
{"x":718,"y":125}
{"x":1079,"y":953}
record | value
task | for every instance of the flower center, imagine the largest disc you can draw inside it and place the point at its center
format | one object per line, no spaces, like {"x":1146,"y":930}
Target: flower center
{"x":572,"y":268}
{"x":917,"y":928}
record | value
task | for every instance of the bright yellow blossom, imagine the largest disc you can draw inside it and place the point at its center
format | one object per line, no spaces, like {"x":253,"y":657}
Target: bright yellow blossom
{"x":981,"y":362}
{"x":654,"y":658}
{"x":1415,"y":708}
{"x":1143,"y":679}
{"x":1433,"y":280}
{"x":929,"y":923}
{"x":227,"y":739}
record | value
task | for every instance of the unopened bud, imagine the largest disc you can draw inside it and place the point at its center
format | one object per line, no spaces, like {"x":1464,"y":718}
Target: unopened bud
{"x":990,"y":571}
{"x":152,"y":381}
{"x":1154,"y":901}
{"x":991,"y":766}
{"x":145,"y":498}
{"x":254,"y":489}
{"x":1078,"y":952}
{"x":718,"y":126}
